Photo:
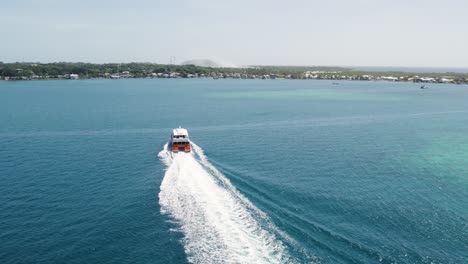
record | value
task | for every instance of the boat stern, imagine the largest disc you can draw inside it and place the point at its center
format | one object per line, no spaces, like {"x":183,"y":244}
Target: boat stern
{"x":181,"y":146}
{"x":180,"y":140}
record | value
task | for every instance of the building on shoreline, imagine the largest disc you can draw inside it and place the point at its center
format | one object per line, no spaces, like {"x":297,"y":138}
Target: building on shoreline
{"x":26,"y":71}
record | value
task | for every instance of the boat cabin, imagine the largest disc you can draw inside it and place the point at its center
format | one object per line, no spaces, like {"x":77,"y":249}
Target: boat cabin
{"x":180,"y":140}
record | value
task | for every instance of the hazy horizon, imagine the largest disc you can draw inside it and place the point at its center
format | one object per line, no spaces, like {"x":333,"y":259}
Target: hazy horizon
{"x":364,"y":33}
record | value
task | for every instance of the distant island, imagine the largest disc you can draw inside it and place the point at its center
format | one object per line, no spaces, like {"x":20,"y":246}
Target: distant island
{"x":66,"y":70}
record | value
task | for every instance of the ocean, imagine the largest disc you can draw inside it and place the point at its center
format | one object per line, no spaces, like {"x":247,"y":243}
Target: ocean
{"x":282,"y":171}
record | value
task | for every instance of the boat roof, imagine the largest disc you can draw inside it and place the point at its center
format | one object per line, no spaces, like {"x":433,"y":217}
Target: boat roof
{"x":179,"y":132}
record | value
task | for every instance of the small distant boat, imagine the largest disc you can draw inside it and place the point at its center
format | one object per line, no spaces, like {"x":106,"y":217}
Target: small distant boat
{"x":180,"y":140}
{"x":335,"y":83}
{"x":424,"y":87}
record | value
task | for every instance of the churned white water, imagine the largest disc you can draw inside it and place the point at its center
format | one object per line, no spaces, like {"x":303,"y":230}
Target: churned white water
{"x":219,"y":224}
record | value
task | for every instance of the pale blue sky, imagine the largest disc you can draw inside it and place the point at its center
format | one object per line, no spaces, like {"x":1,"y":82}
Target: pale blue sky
{"x":297,"y":32}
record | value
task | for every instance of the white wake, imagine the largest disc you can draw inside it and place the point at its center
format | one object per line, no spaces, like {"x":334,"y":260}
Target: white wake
{"x":219,"y":224}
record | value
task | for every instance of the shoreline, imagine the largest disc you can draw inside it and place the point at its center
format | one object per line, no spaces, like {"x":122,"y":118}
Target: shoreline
{"x":336,"y":81}
{"x":24,"y":71}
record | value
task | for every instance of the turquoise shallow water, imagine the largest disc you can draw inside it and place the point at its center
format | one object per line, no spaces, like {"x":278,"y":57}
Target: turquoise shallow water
{"x":361,"y":172}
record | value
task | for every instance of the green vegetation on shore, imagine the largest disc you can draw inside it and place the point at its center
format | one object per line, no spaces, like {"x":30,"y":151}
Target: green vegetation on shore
{"x":65,"y":70}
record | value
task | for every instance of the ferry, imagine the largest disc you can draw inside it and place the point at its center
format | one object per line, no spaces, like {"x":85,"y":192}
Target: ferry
{"x":180,"y":140}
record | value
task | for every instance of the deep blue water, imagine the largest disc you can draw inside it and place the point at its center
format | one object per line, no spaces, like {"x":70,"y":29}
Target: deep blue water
{"x":361,"y":172}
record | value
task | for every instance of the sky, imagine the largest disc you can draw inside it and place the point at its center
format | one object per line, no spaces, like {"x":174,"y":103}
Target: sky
{"x":410,"y":33}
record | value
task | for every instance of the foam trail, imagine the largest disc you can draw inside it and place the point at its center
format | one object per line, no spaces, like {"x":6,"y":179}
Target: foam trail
{"x":219,"y":224}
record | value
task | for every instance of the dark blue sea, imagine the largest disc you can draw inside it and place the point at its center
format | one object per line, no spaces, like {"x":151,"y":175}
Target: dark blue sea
{"x":282,"y":171}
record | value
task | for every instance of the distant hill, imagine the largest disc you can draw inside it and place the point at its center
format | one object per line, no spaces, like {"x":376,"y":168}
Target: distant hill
{"x":208,"y":63}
